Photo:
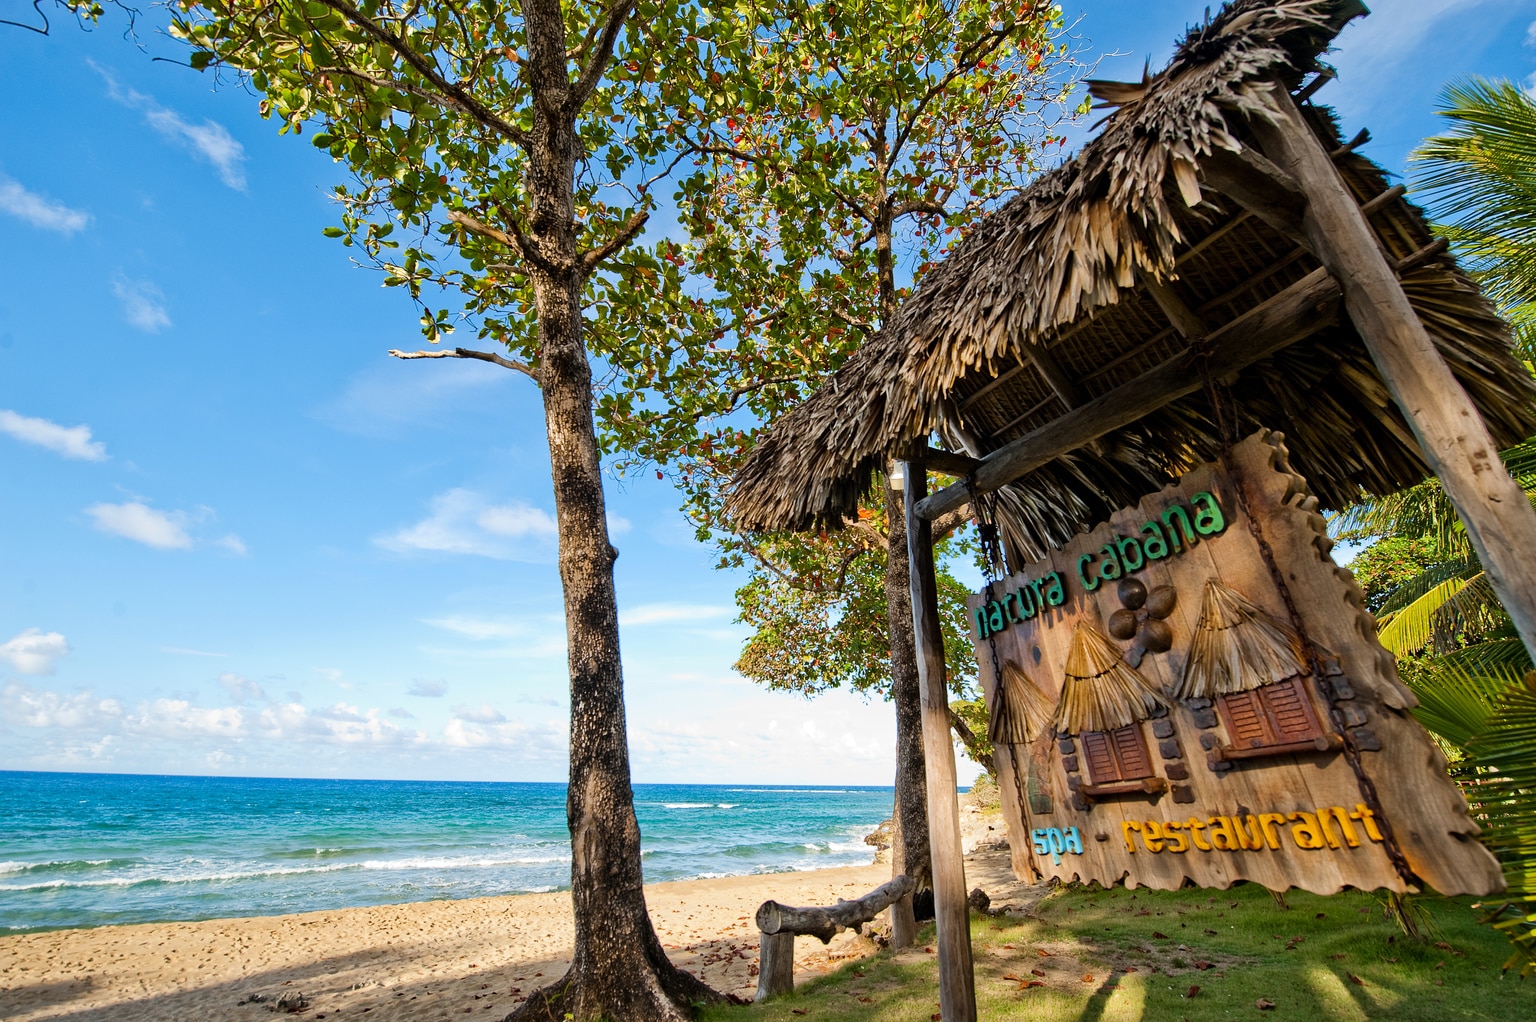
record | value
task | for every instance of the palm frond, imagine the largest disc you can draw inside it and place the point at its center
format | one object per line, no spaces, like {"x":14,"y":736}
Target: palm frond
{"x":1412,"y":628}
{"x":1422,"y":584}
{"x":1480,"y":178}
{"x":1459,"y":694}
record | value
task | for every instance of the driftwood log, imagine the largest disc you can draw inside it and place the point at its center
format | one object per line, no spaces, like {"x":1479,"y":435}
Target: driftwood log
{"x":779,"y":924}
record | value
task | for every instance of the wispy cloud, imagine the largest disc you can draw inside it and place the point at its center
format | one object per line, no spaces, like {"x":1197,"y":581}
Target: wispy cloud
{"x":480,"y":628}
{"x":34,"y":651}
{"x":38,"y":211}
{"x":163,"y":530}
{"x":462,"y":521}
{"x":70,"y":441}
{"x":427,"y":688}
{"x":143,"y":303}
{"x":209,"y":141}
{"x":671,"y":613}
{"x":242,"y":689}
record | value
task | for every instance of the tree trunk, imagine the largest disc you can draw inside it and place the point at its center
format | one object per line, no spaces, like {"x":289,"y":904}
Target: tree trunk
{"x":909,"y":838}
{"x":619,"y":971}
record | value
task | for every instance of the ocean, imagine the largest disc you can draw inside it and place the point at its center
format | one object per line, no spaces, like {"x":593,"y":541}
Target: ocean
{"x":93,"y":849}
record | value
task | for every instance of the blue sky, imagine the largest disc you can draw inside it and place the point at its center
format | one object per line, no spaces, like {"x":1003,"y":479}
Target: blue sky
{"x":237,"y":538}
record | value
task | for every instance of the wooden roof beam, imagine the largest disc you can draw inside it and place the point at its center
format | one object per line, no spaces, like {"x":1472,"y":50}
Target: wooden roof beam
{"x":1184,"y":319}
{"x":1260,"y":187}
{"x":1302,"y":309}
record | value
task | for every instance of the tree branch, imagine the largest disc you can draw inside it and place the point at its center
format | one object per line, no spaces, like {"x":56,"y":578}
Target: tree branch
{"x":484,"y":356}
{"x":593,"y":72}
{"x":452,"y":93}
{"x":517,"y":241}
{"x":593,"y":257}
{"x":950,"y":521}
{"x":919,"y":206}
{"x":964,"y":64}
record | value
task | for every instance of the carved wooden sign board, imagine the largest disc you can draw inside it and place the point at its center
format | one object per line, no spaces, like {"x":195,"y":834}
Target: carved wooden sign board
{"x":1177,"y":702}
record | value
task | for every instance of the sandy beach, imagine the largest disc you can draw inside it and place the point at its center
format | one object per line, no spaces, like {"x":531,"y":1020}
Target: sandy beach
{"x":427,"y":960}
{"x":424,"y":960}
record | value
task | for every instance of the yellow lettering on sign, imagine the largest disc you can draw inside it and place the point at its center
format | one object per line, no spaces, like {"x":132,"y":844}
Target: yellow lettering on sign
{"x":1305,"y":831}
{"x":1328,"y":827}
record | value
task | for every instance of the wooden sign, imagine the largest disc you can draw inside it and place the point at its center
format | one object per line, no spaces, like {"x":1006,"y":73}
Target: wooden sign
{"x":1193,"y":691}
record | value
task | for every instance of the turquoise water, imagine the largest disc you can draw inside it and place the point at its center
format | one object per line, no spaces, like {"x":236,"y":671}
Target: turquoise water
{"x":91,"y":849}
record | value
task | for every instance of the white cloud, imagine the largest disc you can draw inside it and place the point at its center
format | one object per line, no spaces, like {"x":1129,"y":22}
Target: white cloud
{"x":232,"y":543}
{"x":143,"y":303}
{"x":485,"y":713}
{"x":427,"y":689}
{"x":479,"y":629}
{"x":242,"y":689}
{"x":30,"y":707}
{"x":618,"y":525}
{"x":539,"y":741}
{"x":462,"y":521}
{"x":70,"y":441}
{"x":669,"y":613}
{"x":38,"y":211}
{"x":34,"y":651}
{"x":388,"y":399}
{"x":1530,"y":34}
{"x":163,"y":530}
{"x":209,"y":140}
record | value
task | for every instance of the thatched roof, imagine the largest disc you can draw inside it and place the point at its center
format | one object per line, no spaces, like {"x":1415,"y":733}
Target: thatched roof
{"x":1060,"y":276}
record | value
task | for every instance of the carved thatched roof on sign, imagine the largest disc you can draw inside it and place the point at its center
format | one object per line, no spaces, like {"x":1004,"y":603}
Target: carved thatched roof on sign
{"x":1021,"y":710}
{"x":1101,"y":691}
{"x":1064,"y":292}
{"x":1236,"y":647}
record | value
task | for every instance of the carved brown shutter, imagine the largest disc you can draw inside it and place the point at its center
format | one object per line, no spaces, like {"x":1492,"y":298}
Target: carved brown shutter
{"x":1290,"y":712}
{"x":1244,"y":717}
{"x":1131,"y":750}
{"x":1100,"y":755}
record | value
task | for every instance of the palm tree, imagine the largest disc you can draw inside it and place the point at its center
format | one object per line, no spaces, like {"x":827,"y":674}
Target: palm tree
{"x":1459,"y":653}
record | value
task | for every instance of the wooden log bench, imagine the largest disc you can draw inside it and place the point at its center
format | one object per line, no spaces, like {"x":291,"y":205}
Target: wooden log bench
{"x":778,"y":925}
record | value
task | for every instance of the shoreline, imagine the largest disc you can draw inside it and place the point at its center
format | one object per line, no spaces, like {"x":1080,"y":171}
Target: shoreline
{"x":408,"y":960}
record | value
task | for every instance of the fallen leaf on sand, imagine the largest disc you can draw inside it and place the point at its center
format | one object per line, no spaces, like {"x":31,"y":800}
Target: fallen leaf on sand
{"x":937,"y":1016}
{"x":1042,"y":953}
{"x":1030,"y":983}
{"x":1192,"y":992}
{"x":1010,"y":977}
{"x":1202,"y":964}
{"x":1161,"y":936}
{"x":1037,"y":972}
{"x":1210,"y":933}
{"x":1130,"y":968}
{"x":1087,"y":977}
{"x":799,"y":1011}
{"x":1439,"y":965}
{"x":1264,"y":1004}
{"x":1356,"y":980}
{"x":867,"y":1000}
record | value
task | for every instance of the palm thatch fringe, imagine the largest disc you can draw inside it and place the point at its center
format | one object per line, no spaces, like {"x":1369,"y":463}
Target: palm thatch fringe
{"x":1237,"y":647}
{"x":1102,"y":692}
{"x":1020,"y":711}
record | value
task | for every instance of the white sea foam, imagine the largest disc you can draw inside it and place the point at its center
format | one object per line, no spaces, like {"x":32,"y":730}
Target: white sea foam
{"x":727,"y":805}
{"x":688,"y":805}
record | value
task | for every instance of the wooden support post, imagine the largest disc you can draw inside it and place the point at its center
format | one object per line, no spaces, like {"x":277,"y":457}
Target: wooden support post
{"x":775,"y":965}
{"x":1456,"y":443}
{"x":957,"y":983}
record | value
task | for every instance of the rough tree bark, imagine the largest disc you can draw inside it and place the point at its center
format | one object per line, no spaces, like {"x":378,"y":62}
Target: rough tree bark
{"x":909,"y":838}
{"x":619,"y":971}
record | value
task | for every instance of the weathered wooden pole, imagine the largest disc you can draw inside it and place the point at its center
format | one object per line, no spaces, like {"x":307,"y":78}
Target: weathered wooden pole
{"x":1450,"y":432}
{"x":952,"y":913}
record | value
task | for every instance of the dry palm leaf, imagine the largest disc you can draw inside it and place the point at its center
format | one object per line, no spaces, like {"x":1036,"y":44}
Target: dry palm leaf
{"x":1237,"y":647}
{"x":1020,"y":709}
{"x":1102,"y":692}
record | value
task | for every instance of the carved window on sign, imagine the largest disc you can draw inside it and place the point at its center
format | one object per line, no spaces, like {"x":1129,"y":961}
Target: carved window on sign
{"x":1118,"y":755}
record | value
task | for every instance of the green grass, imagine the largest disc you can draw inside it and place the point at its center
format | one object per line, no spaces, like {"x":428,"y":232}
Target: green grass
{"x":1103,"y":959}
